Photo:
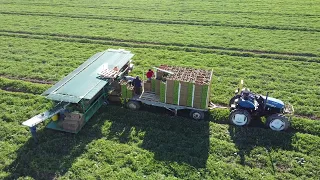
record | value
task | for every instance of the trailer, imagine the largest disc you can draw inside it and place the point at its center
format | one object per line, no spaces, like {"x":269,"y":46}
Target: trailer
{"x":150,"y":98}
{"x":174,"y":88}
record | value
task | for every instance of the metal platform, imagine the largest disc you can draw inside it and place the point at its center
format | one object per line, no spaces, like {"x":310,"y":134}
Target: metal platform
{"x":45,"y":115}
{"x":150,"y":98}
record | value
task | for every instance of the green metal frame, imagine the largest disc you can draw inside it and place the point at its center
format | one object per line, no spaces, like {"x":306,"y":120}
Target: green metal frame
{"x":87,"y":114}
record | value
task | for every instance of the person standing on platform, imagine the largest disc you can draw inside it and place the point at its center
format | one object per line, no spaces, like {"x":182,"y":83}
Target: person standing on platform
{"x":137,"y":85}
{"x":150,"y":74}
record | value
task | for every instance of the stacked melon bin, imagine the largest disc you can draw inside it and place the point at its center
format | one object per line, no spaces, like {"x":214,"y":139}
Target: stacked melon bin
{"x":186,"y":87}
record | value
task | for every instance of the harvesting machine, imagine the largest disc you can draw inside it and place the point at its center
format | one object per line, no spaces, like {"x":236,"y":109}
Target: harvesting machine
{"x":245,"y":105}
{"x":100,"y":80}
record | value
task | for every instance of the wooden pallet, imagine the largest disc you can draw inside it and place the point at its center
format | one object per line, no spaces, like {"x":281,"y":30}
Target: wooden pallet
{"x":109,"y":73}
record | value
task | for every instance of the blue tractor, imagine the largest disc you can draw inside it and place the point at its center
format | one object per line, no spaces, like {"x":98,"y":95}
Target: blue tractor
{"x":245,"y":105}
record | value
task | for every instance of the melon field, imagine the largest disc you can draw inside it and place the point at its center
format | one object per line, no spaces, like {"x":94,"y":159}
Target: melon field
{"x":272,"y":45}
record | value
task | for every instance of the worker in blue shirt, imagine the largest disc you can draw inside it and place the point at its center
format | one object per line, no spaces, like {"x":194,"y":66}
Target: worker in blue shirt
{"x":137,"y":85}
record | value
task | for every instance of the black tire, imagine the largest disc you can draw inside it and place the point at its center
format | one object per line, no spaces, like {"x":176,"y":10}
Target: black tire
{"x":246,"y":120}
{"x":278,"y":122}
{"x":197,"y":115}
{"x":233,"y":99}
{"x":133,"y":105}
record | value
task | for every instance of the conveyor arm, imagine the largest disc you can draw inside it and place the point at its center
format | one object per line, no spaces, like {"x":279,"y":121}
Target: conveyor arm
{"x":45,"y":115}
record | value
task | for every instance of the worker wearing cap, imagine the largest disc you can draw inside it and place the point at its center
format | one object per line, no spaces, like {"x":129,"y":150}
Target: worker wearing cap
{"x":137,"y":85}
{"x":129,"y":79}
{"x":149,"y":74}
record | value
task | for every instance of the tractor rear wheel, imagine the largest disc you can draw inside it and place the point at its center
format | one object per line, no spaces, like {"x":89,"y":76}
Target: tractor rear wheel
{"x":278,"y":122}
{"x":239,"y":117}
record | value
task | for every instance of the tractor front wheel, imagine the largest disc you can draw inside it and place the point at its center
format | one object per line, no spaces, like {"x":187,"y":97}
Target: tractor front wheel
{"x":278,"y":122}
{"x":239,"y":117}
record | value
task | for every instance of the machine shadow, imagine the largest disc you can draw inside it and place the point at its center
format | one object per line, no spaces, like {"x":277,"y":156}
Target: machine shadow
{"x":248,"y":138}
{"x":170,"y":138}
{"x":54,"y":153}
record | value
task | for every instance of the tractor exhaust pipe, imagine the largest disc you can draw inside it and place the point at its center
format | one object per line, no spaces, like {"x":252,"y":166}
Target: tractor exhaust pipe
{"x":239,"y":87}
{"x":265,"y":102}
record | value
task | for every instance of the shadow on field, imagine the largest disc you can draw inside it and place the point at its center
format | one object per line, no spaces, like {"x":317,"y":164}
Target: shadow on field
{"x":54,"y":154}
{"x":247,"y":138}
{"x":171,"y":139}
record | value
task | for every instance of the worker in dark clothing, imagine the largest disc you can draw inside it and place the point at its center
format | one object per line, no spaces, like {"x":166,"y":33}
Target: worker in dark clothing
{"x":137,"y":85}
{"x":129,"y":79}
{"x":150,"y":74}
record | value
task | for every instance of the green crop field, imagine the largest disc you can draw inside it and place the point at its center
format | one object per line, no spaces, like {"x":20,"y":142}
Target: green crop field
{"x":272,"y":45}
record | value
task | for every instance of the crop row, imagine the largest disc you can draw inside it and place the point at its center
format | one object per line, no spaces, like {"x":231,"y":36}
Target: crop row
{"x":177,"y":47}
{"x":277,"y":7}
{"x":268,"y":21}
{"x":291,"y":81}
{"x":245,"y":39}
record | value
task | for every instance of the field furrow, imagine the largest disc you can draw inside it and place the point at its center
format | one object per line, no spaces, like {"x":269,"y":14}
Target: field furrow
{"x":276,"y":7}
{"x":305,"y":57}
{"x":256,"y":22}
{"x":286,"y":42}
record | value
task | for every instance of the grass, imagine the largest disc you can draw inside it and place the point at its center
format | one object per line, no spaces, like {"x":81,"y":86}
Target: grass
{"x":55,"y":59}
{"x":176,"y":16}
{"x":121,"y":143}
{"x":271,"y":45}
{"x":279,"y":41}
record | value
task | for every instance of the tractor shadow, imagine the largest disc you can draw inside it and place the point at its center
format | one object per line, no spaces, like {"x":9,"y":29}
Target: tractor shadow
{"x":248,"y":138}
{"x":54,"y":153}
{"x":170,"y":138}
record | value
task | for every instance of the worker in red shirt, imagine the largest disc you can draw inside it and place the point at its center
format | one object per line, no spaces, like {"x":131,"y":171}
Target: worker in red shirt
{"x":150,"y":74}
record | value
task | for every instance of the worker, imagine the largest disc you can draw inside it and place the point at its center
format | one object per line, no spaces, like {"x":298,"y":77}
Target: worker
{"x":150,"y":74}
{"x":129,"y":79}
{"x":137,"y":85}
{"x":116,"y":68}
{"x":246,"y":93}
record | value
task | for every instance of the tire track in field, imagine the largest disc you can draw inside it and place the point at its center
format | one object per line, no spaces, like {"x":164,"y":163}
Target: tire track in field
{"x":161,"y":10}
{"x":175,"y":22}
{"x":304,"y":57}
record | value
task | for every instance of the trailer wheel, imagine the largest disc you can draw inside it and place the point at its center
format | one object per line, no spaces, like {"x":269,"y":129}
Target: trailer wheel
{"x":133,"y":105}
{"x":196,"y":115}
{"x":278,"y":122}
{"x":239,"y":117}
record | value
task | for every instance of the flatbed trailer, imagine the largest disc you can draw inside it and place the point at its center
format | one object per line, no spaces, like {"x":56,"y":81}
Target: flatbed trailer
{"x":150,"y":98}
